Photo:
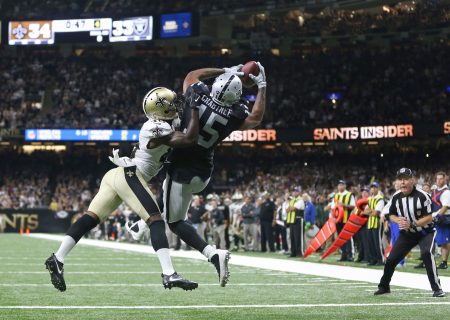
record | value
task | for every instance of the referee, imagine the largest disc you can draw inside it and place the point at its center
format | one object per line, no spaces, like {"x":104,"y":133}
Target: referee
{"x":411,"y":210}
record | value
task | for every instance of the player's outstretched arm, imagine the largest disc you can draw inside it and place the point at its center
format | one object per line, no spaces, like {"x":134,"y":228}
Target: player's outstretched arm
{"x":206,"y":73}
{"x":257,"y":114}
{"x":180,"y":140}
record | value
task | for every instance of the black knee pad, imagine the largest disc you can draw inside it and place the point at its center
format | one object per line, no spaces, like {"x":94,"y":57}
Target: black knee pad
{"x":83,"y":225}
{"x":158,"y":235}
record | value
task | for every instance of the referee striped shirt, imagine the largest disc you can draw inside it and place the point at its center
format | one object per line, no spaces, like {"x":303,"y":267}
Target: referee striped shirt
{"x":413,"y":207}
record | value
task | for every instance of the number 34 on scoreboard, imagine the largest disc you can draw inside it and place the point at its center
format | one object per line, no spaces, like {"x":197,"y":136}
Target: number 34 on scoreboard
{"x":31,"y":32}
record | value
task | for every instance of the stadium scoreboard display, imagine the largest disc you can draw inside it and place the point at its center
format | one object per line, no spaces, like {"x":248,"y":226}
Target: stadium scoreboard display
{"x":176,"y":25}
{"x":81,"y":135}
{"x":70,"y":30}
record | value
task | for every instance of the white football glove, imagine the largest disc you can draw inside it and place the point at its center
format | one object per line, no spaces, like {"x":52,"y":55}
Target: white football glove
{"x":236,"y":70}
{"x":260,"y":79}
{"x":120,"y":161}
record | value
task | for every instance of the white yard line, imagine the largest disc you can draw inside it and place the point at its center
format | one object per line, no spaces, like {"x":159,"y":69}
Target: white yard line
{"x":242,"y":306}
{"x":158,"y":285}
{"x":403,"y":279}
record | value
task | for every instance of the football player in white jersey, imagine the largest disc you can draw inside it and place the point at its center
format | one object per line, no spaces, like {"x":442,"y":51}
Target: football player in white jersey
{"x":128,"y":183}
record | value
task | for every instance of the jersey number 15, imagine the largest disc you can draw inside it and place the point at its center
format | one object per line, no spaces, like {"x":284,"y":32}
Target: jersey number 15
{"x":209,"y":132}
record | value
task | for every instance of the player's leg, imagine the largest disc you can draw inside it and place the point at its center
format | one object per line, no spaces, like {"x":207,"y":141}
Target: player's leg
{"x":426,"y":244}
{"x":177,"y":198}
{"x":105,"y":202}
{"x":133,"y":189}
{"x":401,"y":248}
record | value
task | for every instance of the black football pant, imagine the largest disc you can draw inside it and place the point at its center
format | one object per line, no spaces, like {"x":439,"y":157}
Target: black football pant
{"x":296,"y":235}
{"x":375,"y":250}
{"x":267,"y":236}
{"x":362,"y":243}
{"x":405,"y":242}
{"x":280,"y":231}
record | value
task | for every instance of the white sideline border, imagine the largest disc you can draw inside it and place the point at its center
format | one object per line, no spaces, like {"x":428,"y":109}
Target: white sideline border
{"x":402,"y":279}
{"x":241,"y":306}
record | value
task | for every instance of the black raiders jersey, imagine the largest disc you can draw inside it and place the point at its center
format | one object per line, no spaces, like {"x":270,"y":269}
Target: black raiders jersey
{"x":216,"y":123}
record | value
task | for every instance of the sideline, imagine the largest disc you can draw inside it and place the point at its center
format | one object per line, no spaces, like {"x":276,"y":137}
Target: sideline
{"x":402,"y":279}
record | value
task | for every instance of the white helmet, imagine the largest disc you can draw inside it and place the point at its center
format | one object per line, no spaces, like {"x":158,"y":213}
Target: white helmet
{"x":226,"y":89}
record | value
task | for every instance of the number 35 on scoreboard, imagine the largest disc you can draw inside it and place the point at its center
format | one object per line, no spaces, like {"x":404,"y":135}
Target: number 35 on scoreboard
{"x":31,"y":32}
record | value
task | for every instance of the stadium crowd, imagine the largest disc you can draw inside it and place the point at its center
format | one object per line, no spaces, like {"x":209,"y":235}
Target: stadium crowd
{"x":394,"y":85}
{"x":335,"y":22}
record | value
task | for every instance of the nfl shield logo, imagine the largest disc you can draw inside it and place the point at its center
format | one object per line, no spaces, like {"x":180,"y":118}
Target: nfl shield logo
{"x":140,"y":26}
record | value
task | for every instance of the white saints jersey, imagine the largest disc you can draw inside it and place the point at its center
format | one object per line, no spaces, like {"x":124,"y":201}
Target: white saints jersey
{"x":150,"y":161}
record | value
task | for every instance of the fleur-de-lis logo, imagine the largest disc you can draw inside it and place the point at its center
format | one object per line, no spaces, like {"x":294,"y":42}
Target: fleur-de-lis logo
{"x":130,"y":173}
{"x":20,"y":31}
{"x":160,"y":101}
{"x":157,"y":131}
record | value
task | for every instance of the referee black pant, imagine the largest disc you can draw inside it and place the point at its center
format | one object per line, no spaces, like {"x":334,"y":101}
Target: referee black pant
{"x":406,"y":241}
{"x":296,"y":235}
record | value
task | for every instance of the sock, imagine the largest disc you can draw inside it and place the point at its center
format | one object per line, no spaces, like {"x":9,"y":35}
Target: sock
{"x":165,"y":261}
{"x":66,"y":246}
{"x":188,"y":234}
{"x":74,"y":234}
{"x":158,"y":235}
{"x":208,"y":251}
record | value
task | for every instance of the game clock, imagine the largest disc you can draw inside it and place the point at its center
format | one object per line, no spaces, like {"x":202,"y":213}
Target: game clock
{"x":80,"y":30}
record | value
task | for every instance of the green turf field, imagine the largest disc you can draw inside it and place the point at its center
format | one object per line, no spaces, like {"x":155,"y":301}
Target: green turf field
{"x":121,"y":285}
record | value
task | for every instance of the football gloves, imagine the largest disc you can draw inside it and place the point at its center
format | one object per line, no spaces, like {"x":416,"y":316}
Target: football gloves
{"x":120,"y":161}
{"x":236,"y":70}
{"x":260,"y":79}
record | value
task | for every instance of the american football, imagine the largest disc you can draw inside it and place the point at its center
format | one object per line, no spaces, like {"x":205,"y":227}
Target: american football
{"x":250,"y":159}
{"x":250,"y":67}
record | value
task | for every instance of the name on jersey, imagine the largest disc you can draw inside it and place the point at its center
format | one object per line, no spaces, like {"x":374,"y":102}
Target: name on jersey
{"x":224,"y":111}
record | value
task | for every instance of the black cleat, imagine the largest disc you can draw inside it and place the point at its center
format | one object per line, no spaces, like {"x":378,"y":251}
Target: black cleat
{"x":438,"y":294}
{"x":220,"y":260}
{"x":420,"y":266}
{"x":442,"y":265}
{"x":382,"y":290}
{"x":175,"y":280}
{"x":56,"y":270}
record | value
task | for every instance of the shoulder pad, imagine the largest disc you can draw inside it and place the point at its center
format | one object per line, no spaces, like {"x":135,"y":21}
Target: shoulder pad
{"x":156,"y":129}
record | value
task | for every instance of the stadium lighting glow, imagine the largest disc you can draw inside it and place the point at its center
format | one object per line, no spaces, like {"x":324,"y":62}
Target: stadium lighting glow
{"x":334,"y":96}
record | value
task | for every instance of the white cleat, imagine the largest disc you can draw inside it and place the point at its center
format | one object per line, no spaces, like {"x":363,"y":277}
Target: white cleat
{"x":219,"y":259}
{"x":136,"y":229}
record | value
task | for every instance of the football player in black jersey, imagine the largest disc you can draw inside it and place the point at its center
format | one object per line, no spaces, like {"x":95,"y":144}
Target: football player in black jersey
{"x":190,"y":169}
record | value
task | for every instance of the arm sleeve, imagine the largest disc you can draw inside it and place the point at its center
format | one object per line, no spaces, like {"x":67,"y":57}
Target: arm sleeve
{"x":393,"y":208}
{"x":300,"y":205}
{"x":380,"y":205}
{"x":426,"y":205}
{"x":445,"y":199}
{"x":386,"y":208}
{"x":352,"y":200}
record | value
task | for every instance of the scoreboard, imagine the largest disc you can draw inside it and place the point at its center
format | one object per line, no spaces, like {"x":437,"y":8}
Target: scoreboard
{"x":69,"y":30}
{"x":31,"y":32}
